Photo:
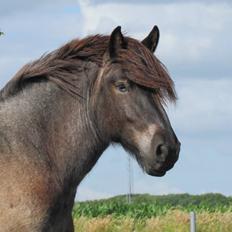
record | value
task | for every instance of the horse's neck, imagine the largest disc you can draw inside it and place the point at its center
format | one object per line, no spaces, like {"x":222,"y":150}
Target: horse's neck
{"x":58,"y":127}
{"x":72,"y":142}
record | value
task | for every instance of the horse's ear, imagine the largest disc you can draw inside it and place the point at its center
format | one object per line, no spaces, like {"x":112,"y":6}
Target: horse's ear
{"x":117,"y":41}
{"x":151,"y":41}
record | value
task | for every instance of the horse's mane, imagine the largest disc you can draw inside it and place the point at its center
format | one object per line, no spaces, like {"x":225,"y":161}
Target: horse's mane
{"x":62,"y":65}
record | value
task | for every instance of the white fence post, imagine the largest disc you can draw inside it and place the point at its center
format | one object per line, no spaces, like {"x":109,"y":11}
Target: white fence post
{"x":192,"y":222}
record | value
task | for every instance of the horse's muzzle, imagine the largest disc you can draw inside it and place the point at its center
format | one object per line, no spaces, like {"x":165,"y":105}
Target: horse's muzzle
{"x":165,"y":158}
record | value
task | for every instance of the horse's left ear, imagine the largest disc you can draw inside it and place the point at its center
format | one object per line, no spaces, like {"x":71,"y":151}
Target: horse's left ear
{"x":151,"y":41}
{"x":117,"y":41}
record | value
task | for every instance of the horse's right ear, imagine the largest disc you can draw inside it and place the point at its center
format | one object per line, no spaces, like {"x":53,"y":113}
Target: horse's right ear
{"x":117,"y":42}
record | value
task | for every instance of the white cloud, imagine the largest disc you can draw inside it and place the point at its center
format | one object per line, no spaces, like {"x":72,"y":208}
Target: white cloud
{"x":204,"y":106}
{"x":30,"y":34}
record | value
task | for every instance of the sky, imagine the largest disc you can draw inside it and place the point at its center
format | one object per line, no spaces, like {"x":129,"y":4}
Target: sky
{"x":195,"y":46}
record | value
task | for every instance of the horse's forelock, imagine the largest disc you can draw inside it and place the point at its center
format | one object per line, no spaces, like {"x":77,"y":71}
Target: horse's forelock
{"x":144,"y":69}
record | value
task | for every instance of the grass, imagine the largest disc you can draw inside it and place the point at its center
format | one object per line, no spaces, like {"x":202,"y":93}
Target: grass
{"x":173,"y":221}
{"x":154,"y":214}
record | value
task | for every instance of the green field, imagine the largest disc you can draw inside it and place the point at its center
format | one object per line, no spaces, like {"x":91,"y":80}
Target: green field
{"x":169,"y":213}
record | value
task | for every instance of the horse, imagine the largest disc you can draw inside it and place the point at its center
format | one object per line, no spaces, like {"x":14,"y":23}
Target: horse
{"x":60,"y":112}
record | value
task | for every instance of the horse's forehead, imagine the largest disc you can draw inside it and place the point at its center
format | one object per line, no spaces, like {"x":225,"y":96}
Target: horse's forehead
{"x":111,"y":69}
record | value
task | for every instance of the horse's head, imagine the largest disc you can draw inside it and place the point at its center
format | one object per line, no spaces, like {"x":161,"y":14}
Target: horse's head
{"x":128,"y":93}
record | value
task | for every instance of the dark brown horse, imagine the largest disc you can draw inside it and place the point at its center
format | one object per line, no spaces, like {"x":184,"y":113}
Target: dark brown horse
{"x":60,"y":112}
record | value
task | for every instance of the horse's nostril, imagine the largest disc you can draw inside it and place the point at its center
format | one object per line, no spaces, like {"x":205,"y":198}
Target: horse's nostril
{"x":158,"y":150}
{"x":162,"y":151}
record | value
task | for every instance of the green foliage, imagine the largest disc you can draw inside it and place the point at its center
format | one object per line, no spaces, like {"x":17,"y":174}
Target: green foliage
{"x":147,"y":206}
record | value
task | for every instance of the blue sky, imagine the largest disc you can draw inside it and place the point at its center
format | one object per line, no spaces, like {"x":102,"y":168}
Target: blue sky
{"x":195,"y":45}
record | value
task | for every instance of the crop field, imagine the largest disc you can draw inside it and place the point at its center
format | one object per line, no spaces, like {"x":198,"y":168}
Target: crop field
{"x":147,"y":213}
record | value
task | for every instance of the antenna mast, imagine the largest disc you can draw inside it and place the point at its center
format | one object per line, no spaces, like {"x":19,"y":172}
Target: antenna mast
{"x":130,"y":180}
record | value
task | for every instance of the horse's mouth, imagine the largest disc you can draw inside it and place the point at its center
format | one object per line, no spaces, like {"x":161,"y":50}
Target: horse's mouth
{"x":156,"y":169}
{"x":156,"y":173}
{"x":159,"y":169}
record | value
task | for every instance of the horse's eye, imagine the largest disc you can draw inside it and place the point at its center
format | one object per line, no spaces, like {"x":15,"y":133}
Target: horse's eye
{"x":122,"y":87}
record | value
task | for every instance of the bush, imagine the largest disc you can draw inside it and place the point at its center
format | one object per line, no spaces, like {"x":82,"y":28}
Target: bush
{"x":147,"y":206}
